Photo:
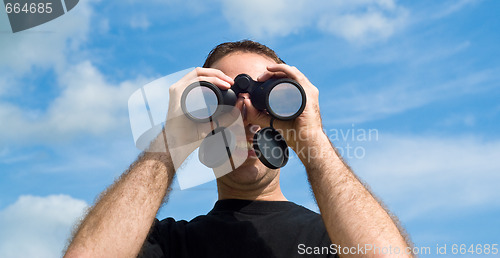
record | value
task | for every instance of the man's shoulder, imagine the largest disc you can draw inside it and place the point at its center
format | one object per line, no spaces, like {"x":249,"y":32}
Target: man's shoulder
{"x":292,"y":212}
{"x":293,"y":216}
{"x":171,"y":224}
{"x":300,"y":212}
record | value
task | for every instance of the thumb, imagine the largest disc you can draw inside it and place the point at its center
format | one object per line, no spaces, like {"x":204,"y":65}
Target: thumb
{"x":255,"y":116}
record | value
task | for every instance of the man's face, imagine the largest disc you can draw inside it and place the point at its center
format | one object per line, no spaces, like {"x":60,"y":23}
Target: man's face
{"x":252,"y":173}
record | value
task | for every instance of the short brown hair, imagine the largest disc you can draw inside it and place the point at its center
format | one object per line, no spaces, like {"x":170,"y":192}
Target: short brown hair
{"x":249,"y":46}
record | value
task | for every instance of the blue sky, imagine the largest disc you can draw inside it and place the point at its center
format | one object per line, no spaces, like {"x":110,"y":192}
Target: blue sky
{"x":425,"y":75}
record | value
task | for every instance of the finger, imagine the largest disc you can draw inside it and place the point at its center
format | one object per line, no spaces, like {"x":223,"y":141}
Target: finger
{"x":244,"y":96}
{"x":267,"y":75}
{"x":254,"y":116}
{"x":239,"y":104}
{"x":228,"y":119}
{"x":212,"y":72}
{"x":294,"y":73}
{"x":221,"y":84}
{"x":290,"y":71}
{"x":238,"y":108}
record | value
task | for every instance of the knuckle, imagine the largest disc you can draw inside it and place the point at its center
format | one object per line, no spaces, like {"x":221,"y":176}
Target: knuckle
{"x":217,"y":81}
{"x":198,"y":69}
{"x":191,"y":74}
{"x":219,"y":72}
{"x":314,"y":91}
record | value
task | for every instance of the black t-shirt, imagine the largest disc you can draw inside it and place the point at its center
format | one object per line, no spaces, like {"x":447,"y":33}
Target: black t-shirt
{"x":242,"y":228}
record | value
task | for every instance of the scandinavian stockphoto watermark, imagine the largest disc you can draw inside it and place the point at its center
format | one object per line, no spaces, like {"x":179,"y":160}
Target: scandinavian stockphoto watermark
{"x":26,"y":14}
{"x":366,"y":249}
{"x":371,"y":249}
{"x":349,"y":142}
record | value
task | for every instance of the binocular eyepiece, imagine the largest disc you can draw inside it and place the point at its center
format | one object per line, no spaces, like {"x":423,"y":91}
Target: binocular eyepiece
{"x":282,"y":98}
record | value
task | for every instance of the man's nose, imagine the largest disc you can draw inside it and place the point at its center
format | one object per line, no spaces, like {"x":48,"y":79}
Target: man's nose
{"x":245,"y":95}
{"x":244,"y":108}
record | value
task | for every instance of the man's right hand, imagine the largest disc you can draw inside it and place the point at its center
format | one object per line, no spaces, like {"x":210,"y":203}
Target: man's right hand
{"x":183,"y":134}
{"x":179,"y":128}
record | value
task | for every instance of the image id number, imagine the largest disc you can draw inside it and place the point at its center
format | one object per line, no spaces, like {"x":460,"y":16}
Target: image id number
{"x":474,"y":249}
{"x":29,"y":8}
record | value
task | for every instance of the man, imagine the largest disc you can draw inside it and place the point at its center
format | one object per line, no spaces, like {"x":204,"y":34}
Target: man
{"x":252,"y":217}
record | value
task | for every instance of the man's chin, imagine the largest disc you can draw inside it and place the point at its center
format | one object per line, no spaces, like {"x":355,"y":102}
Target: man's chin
{"x":250,"y":172}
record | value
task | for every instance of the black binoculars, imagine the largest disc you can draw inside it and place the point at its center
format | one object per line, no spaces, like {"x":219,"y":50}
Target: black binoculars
{"x":282,"y":98}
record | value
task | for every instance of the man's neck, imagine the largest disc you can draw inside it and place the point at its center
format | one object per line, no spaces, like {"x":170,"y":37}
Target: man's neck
{"x":271,"y":192}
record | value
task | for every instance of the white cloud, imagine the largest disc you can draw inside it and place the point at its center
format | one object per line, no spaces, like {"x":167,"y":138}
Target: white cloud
{"x":41,"y":48}
{"x":7,"y":156}
{"x":467,"y":119}
{"x":103,"y":26}
{"x":405,"y":93}
{"x":368,"y":21}
{"x":358,"y":21}
{"x":47,"y":44}
{"x":432,"y":176}
{"x":266,"y":18}
{"x":139,"y":22}
{"x":182,"y":7}
{"x":87,"y":104}
{"x":452,"y":7}
{"x":38,"y":226}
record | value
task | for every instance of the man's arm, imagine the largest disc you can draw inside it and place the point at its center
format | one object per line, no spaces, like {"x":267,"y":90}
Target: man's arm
{"x":351,"y":214}
{"x":120,"y":221}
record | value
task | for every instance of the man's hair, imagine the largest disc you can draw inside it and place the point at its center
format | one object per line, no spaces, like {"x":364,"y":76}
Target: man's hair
{"x":246,"y":46}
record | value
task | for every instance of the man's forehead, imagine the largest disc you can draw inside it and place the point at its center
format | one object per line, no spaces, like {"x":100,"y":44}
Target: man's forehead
{"x":243,"y":62}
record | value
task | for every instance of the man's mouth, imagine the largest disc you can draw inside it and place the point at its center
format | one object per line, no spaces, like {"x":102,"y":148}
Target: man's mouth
{"x":246,"y":146}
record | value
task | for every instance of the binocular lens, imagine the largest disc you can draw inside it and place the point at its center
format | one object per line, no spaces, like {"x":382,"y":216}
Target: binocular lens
{"x":201,"y":102}
{"x":285,"y":100}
